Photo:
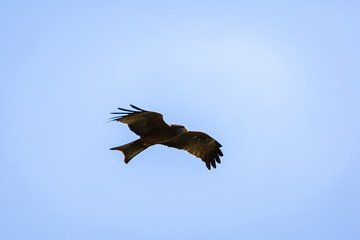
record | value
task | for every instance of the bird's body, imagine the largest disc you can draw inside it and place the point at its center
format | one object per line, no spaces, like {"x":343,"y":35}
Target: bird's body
{"x":152,"y":130}
{"x":163,"y":134}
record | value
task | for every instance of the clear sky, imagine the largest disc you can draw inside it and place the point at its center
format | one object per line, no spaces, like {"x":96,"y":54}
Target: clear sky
{"x":276,"y":83}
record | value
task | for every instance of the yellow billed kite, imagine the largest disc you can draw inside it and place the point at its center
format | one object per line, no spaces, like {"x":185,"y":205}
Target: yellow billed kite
{"x":152,"y":129}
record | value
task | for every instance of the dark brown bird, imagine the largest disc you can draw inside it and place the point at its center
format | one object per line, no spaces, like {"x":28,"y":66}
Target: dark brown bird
{"x":152,"y":129}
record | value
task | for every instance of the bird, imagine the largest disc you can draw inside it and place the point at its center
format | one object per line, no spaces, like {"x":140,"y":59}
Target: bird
{"x":152,"y":129}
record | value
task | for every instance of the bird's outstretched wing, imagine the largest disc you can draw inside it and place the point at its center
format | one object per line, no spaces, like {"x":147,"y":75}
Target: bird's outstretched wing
{"x":199,"y":144}
{"x":139,"y":120}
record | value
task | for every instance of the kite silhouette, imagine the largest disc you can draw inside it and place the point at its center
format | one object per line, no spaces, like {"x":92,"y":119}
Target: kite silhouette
{"x":152,"y":129}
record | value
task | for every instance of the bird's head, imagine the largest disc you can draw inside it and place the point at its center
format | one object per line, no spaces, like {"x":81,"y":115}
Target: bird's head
{"x":179,"y":128}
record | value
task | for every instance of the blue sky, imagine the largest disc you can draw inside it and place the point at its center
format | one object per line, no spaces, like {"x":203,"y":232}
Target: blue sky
{"x":276,"y":83}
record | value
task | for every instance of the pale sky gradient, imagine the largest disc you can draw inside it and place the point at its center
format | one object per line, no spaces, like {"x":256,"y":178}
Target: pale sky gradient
{"x":276,"y":83}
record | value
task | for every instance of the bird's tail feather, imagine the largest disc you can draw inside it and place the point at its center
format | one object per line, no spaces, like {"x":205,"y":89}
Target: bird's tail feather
{"x":130,"y":150}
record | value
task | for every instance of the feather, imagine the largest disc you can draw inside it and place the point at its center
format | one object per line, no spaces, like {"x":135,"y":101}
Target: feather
{"x":137,"y":108}
{"x":123,"y":109}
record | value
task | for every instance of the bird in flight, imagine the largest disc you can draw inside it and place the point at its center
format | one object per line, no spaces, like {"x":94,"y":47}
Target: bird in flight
{"x":152,"y":129}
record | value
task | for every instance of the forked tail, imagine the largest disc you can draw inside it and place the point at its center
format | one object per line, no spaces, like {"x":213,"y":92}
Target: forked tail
{"x":130,"y":150}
